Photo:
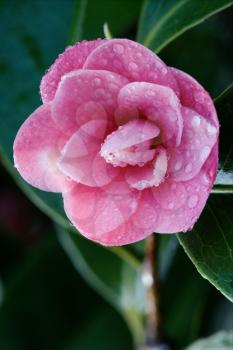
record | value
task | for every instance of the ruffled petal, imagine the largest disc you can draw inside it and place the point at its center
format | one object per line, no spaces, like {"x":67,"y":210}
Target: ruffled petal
{"x":36,"y":151}
{"x":131,"y":60}
{"x":97,"y":211}
{"x":128,"y":144}
{"x":149,"y":175}
{"x":179,"y":204}
{"x":194,"y":96}
{"x":159,"y":104}
{"x":80,"y":157}
{"x":140,"y":224}
{"x":79,"y":91}
{"x":168,"y":208}
{"x":199,"y":137}
{"x":72,"y":59}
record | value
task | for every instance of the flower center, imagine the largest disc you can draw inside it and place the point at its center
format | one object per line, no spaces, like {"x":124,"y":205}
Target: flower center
{"x":131,"y":144}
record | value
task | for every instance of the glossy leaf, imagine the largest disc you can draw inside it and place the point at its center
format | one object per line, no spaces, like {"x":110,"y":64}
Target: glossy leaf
{"x":210,"y":244}
{"x":163,"y":21}
{"x":29,"y":45}
{"x":224,"y":106}
{"x":218,"y":341}
{"x":113,"y":272}
{"x":179,"y":290}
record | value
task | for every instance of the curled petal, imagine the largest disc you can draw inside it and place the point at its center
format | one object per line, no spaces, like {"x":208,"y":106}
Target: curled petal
{"x":194,"y":96}
{"x":96,"y":212}
{"x":128,"y":144}
{"x":179,"y":204}
{"x":158,"y":104}
{"x":80,"y":157}
{"x":138,"y":226}
{"x":72,"y":59}
{"x":131,"y":60}
{"x":37,"y":149}
{"x":149,"y":175}
{"x":199,"y":137}
{"x":83,"y":90}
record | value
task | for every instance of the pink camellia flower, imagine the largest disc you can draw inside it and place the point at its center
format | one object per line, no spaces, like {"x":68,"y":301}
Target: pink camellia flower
{"x":130,"y":143}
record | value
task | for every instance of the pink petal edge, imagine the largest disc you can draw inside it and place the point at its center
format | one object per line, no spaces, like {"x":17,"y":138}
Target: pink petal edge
{"x":36,"y":150}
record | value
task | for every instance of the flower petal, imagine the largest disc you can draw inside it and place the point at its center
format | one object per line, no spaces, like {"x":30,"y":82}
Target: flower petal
{"x":97,"y":211}
{"x":194,"y":96}
{"x":168,"y":208}
{"x":36,"y":151}
{"x":149,"y":175}
{"x":72,"y":59}
{"x":80,"y":157}
{"x":128,"y":144}
{"x":198,"y":139}
{"x":81,"y":87}
{"x":179,"y":204}
{"x":131,"y":60}
{"x":159,"y":104}
{"x":140,"y":224}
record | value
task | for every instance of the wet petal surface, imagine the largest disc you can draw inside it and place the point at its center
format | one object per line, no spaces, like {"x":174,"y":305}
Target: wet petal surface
{"x":80,"y":89}
{"x":198,"y":139}
{"x":71,"y":59}
{"x":131,"y":60}
{"x":157,"y":103}
{"x":36,"y":151}
{"x":80,"y":157}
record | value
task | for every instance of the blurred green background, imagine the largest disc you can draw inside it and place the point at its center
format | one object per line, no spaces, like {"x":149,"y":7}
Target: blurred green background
{"x":47,"y":300}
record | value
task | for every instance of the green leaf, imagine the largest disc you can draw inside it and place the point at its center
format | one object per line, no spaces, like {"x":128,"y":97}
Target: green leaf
{"x":179,"y":292}
{"x":218,"y":341}
{"x":45,"y":301}
{"x":34,"y":34}
{"x":163,"y":21}
{"x":224,"y":106}
{"x":210,"y":244}
{"x":76,"y":33}
{"x":121,"y":16}
{"x":113,"y":272}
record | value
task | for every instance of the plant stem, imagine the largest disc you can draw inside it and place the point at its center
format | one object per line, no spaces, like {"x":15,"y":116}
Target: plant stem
{"x":150,"y":280}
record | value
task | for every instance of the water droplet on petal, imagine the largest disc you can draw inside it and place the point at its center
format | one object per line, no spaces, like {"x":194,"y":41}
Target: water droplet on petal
{"x":211,"y":130}
{"x":170,"y":205}
{"x":188,"y":168}
{"x":133,"y":66}
{"x":196,"y":121}
{"x":178,"y":166}
{"x":117,"y":48}
{"x":204,"y":153}
{"x":97,"y":82}
{"x":192,"y":201}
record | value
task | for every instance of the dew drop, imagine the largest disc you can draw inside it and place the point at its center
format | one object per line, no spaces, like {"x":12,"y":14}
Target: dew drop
{"x":188,"y":168}
{"x":133,"y":66}
{"x":192,"y":201}
{"x":170,"y":205}
{"x":97,"y":81}
{"x":178,"y":166}
{"x":211,"y":130}
{"x":99,"y":92}
{"x":117,"y":48}
{"x":196,"y":121}
{"x":204,"y":153}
